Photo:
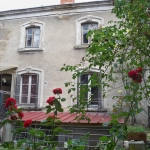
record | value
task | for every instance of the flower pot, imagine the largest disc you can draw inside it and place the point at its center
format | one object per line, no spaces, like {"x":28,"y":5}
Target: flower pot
{"x":137,"y":136}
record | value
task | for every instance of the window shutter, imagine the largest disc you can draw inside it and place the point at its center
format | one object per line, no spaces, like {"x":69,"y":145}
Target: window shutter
{"x":17,"y":88}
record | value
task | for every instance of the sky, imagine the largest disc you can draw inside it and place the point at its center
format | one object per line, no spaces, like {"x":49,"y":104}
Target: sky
{"x":20,"y":4}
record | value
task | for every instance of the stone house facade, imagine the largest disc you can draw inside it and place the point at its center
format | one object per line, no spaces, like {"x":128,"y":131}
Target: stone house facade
{"x":36,"y":42}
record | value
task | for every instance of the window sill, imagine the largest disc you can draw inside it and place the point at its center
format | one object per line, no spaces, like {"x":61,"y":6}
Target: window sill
{"x":79,"y":47}
{"x":30,"y":49}
{"x":96,"y":110}
{"x":30,"y":107}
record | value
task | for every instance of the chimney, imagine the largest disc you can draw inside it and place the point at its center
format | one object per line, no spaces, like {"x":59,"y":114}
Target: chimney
{"x":66,"y":1}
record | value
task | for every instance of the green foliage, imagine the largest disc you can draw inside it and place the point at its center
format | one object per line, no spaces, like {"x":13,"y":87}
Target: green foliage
{"x":9,"y":145}
{"x":135,"y":129}
{"x":117,"y":49}
{"x":78,"y":144}
{"x":35,"y":135}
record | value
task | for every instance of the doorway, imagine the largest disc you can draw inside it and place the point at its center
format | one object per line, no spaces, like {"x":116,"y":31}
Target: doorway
{"x":5,"y":87}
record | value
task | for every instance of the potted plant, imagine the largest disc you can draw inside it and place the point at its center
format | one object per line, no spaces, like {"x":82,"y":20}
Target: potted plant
{"x":136,"y":133}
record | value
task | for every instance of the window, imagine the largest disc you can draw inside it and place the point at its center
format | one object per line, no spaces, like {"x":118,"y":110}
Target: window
{"x":32,"y":37}
{"x":83,"y":25}
{"x":89,"y":90}
{"x":28,"y":87}
{"x":85,"y":28}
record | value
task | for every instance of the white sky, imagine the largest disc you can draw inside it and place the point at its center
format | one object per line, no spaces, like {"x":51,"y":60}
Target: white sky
{"x":19,"y":4}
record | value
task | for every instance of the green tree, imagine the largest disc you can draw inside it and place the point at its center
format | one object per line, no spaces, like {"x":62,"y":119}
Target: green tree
{"x":121,"y":48}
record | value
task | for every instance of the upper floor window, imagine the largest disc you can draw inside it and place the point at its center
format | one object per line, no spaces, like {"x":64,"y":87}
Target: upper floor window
{"x":28,"y":87}
{"x":32,"y":37}
{"x":83,"y":25}
{"x":85,"y":29}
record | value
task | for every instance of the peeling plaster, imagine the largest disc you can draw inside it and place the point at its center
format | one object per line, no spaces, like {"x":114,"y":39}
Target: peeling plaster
{"x":4,"y":34}
{"x":2,"y":45}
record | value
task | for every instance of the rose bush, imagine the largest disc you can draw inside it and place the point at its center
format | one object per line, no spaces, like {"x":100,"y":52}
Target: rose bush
{"x":16,"y":115}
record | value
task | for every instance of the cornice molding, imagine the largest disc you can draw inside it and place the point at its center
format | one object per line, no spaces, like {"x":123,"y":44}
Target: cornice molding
{"x":54,"y":10}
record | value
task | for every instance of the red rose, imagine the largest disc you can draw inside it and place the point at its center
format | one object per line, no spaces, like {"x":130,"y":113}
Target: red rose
{"x":50,"y":101}
{"x":139,"y":70}
{"x":20,"y":114}
{"x":13,"y":117}
{"x":57,"y":91}
{"x":134,"y":74}
{"x":10,"y":102}
{"x":27,"y":123}
{"x":138,"y":79}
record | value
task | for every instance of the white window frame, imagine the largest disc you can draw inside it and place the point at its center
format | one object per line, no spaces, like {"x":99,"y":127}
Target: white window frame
{"x":91,"y":107}
{"x":29,"y":88}
{"x":33,"y":37}
{"x":31,"y":71}
{"x":22,"y":45}
{"x":86,"y":19}
{"x":82,"y":30}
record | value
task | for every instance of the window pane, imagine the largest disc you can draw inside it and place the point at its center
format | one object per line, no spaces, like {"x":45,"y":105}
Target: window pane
{"x":29,"y":31}
{"x":93,"y":26}
{"x":34,"y":94}
{"x":36,"y":40}
{"x":24,"y":94}
{"x":37,"y":31}
{"x":34,"y":89}
{"x":25,"y":79}
{"x":84,"y":79}
{"x":85,"y":27}
{"x":36,"y":37}
{"x":94,"y":96}
{"x":85,"y":39}
{"x":84,"y":91}
{"x":34,"y":79}
{"x":84,"y":86}
{"x":29,"y":41}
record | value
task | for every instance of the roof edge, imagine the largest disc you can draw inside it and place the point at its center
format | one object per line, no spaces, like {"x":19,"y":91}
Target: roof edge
{"x":57,"y":7}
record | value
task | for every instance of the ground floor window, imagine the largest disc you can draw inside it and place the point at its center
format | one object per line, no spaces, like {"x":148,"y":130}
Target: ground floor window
{"x":29,"y":88}
{"x":89,"y":90}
